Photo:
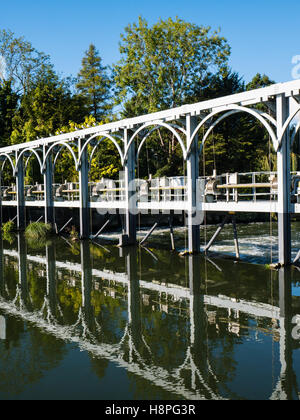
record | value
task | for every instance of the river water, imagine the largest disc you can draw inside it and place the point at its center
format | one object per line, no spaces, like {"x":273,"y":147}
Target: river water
{"x":91,"y":321}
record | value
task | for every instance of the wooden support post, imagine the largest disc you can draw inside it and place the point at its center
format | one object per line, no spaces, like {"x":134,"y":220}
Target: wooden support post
{"x":101,"y":229}
{"x":149,"y":233}
{"x":235,"y":236}
{"x":284,"y":184}
{"x":130,"y":194}
{"x":65,"y":225}
{"x":216,"y":234}
{"x":84,"y":213}
{"x":20,"y":196}
{"x":48,"y":187}
{"x":172,"y":232}
{"x":192,"y":177}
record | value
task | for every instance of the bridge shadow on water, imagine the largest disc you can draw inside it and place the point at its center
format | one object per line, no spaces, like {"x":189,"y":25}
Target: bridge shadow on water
{"x":178,"y":328}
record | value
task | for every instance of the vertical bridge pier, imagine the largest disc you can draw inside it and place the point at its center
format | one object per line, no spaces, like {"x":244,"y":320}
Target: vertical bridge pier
{"x":185,"y":124}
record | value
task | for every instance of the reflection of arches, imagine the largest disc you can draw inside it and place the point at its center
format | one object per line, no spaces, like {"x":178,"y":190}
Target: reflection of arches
{"x":62,"y":144}
{"x":158,"y":124}
{"x":103,"y":137}
{"x":32,"y":151}
{"x":236,"y":108}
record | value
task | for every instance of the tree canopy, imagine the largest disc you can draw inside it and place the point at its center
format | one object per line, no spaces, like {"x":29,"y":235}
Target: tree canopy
{"x":161,"y":66}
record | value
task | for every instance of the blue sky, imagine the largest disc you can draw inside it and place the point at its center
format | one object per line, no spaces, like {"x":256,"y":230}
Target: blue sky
{"x":263,"y":35}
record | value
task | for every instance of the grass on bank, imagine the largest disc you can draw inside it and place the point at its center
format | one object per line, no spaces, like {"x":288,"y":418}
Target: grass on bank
{"x":37,"y":230}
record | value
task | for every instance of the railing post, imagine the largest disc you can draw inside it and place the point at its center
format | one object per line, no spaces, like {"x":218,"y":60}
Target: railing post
{"x":20,"y":195}
{"x":284,"y":184}
{"x":48,"y":191}
{"x":84,"y":213}
{"x":192,"y":177}
{"x":130,"y":193}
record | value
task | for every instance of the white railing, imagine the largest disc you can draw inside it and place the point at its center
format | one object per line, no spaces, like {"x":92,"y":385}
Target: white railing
{"x":230,"y":187}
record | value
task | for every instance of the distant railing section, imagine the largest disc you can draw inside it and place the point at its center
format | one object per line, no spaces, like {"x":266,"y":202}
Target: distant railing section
{"x":229,"y":187}
{"x":236,"y":187}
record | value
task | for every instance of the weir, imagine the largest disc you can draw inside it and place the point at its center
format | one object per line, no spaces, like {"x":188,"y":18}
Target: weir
{"x":191,"y":194}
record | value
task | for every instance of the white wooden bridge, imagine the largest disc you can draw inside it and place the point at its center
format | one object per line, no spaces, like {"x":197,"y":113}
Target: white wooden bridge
{"x":253,"y":192}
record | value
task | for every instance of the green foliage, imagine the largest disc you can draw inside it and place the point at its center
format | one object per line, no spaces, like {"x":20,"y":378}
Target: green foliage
{"x":8,"y":106}
{"x":8,"y":227}
{"x":37,"y":231}
{"x":161,"y":66}
{"x":7,"y":232}
{"x":24,"y":64}
{"x":74,"y":234}
{"x":45,"y":108}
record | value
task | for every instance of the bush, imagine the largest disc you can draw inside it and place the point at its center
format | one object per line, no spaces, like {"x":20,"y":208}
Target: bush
{"x":37,"y":230}
{"x":7,"y":228}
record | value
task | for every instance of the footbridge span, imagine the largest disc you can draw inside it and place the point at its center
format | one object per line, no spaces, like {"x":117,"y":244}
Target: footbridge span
{"x":275,"y":192}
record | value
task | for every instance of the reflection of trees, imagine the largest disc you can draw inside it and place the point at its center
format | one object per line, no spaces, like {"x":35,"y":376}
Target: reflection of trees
{"x":98,"y":366}
{"x":185,"y":340}
{"x":19,"y":367}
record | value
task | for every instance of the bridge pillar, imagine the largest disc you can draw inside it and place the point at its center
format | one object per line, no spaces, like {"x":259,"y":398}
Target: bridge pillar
{"x":130,"y":193}
{"x":84,"y":198}
{"x":284,"y":184}
{"x":20,"y":196}
{"x":48,"y":187}
{"x":192,"y":177}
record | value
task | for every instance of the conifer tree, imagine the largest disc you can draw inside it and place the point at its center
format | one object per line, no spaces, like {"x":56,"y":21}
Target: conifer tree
{"x":94,"y":84}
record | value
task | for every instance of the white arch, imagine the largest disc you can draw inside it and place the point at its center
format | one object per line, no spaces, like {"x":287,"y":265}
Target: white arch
{"x":158,"y":124}
{"x":32,"y":152}
{"x":293,"y":136}
{"x":228,"y":114}
{"x":150,"y":132}
{"x":62,"y":144}
{"x":104,"y":136}
{"x":286,"y":125}
{"x":236,"y":108}
{"x":7,"y":157}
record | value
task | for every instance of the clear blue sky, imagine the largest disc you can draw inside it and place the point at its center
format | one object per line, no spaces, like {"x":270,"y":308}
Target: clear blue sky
{"x":264,"y":35}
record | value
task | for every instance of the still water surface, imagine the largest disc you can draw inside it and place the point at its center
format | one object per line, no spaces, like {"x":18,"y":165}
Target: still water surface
{"x":90,"y":321}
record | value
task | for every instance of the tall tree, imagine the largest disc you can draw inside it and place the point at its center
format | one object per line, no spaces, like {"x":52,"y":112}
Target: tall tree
{"x":94,"y":84}
{"x":161,"y":66}
{"x":8,"y":108}
{"x":21,"y":62}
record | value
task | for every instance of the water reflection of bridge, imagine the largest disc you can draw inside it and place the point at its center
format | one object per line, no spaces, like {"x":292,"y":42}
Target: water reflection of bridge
{"x":195,"y":377}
